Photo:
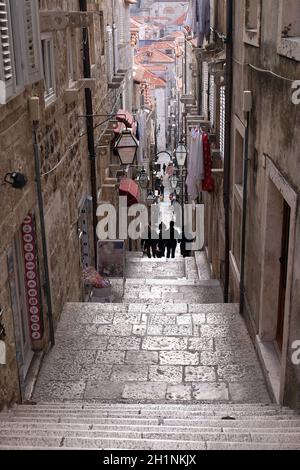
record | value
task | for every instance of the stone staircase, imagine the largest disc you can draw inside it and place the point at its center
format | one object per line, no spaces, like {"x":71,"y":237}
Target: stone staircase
{"x":170,"y":367}
{"x":149,"y":427}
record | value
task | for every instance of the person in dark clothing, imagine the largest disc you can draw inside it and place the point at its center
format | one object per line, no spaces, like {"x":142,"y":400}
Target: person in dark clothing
{"x":161,"y":241}
{"x":171,"y":243}
{"x":164,"y":168}
{"x":150,"y":244}
{"x":183,"y":245}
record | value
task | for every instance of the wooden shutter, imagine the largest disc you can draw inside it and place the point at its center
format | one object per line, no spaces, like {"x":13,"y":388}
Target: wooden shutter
{"x":205,"y":87}
{"x":222,"y":120}
{"x":6,"y":54}
{"x":32,"y":40}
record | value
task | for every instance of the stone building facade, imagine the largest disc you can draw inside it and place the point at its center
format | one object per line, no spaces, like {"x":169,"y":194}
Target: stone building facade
{"x":264,"y":216}
{"x":41,"y":57}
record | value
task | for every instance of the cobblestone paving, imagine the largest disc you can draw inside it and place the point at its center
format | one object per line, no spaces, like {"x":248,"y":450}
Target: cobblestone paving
{"x":151,"y":353}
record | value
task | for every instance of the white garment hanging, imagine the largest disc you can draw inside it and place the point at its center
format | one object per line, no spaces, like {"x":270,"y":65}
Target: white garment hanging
{"x":195,"y":164}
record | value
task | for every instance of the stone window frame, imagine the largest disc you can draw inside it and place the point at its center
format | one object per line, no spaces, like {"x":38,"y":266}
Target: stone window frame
{"x":252,"y":35}
{"x":49,"y":69}
{"x":288,"y":46}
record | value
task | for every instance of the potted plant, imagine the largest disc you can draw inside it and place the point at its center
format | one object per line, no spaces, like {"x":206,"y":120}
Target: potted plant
{"x":101,"y":287}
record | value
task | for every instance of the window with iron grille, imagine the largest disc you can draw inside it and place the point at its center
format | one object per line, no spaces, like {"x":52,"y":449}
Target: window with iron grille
{"x":205,"y":89}
{"x":222,"y":121}
{"x":212,"y":102}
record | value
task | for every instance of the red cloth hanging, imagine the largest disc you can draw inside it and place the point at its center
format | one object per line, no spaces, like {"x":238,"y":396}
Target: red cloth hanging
{"x":208,"y":183}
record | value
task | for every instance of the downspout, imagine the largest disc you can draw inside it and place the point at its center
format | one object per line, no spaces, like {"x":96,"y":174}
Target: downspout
{"x":227,"y":156}
{"x":244,"y":218}
{"x":47,"y":285}
{"x":90,"y":124}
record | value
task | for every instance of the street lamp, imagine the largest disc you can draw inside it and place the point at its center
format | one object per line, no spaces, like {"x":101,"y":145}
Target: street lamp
{"x":127,"y":146}
{"x":173,"y":181}
{"x":143,"y":179}
{"x":181,"y":154}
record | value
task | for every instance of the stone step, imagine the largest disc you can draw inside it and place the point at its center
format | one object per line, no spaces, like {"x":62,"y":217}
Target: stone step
{"x":259,"y":424}
{"x":149,"y":414}
{"x":80,"y":406}
{"x":229,"y":436}
{"x":99,"y":444}
{"x":171,"y":446}
{"x":33,"y":428}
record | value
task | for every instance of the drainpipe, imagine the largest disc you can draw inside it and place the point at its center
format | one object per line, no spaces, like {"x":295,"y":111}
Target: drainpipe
{"x":47,"y":287}
{"x":90,"y":124}
{"x":247,"y":108}
{"x":227,"y":156}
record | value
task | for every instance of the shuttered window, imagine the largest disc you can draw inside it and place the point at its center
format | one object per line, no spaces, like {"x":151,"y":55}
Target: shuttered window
{"x":116,"y":49}
{"x":6,"y":50}
{"x":222,"y":121}
{"x":31,"y":18}
{"x":212,"y":102}
{"x":110,"y":54}
{"x":205,"y":87}
{"x":20,"y":49}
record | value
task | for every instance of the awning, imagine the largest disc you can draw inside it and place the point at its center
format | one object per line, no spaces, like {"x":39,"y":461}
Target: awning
{"x":130,"y":189}
{"x":126,"y":120}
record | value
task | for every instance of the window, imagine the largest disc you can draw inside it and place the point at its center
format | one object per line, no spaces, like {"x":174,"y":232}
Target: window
{"x":212,"y":101}
{"x":222,"y":120}
{"x":92,"y":44}
{"x":289,"y":29}
{"x":205,"y":89}
{"x":252,"y":25}
{"x":102,"y":37}
{"x":20,"y":52}
{"x":109,"y":54}
{"x":71,"y":56}
{"x":48,"y":64}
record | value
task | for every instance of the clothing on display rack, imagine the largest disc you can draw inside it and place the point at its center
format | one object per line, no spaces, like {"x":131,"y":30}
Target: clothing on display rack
{"x":208,"y":184}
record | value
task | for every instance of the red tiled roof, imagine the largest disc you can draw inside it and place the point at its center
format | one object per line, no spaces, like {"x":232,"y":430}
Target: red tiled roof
{"x":152,"y":56}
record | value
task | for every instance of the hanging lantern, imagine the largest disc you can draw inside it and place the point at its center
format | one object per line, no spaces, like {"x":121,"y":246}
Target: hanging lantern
{"x":127,"y":146}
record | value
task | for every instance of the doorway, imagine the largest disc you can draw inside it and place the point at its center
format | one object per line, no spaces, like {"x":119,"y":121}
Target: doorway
{"x":283,"y":260}
{"x":278,"y":234}
{"x":19,"y":307}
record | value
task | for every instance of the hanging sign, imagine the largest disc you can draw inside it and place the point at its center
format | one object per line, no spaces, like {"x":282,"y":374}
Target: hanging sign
{"x":31,"y":278}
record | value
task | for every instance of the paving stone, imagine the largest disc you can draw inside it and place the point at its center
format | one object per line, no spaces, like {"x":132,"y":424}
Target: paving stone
{"x":115,"y":329}
{"x":200,"y":344}
{"x":128,"y":373}
{"x":223,"y":357}
{"x":199,"y":374}
{"x":159,"y":308}
{"x":139,"y":330}
{"x":198,"y":318}
{"x":55,"y":390}
{"x":155,"y":330}
{"x":210,"y":391}
{"x":164,"y":320}
{"x":160,"y":373}
{"x":249,"y":392}
{"x":110,"y":357}
{"x":100,"y":372}
{"x":184,"y":320}
{"x":145,"y":391}
{"x":178,"y":358}
{"x":158,"y":343}
{"x":103,"y":390}
{"x":124,"y":318}
{"x":177,"y":330}
{"x":141,"y":357}
{"x":239,"y":373}
{"x":124,"y":343}
{"x":179,"y":392}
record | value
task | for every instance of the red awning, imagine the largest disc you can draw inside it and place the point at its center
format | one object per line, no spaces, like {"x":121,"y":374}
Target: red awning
{"x":125,"y":117}
{"x":130,"y":189}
